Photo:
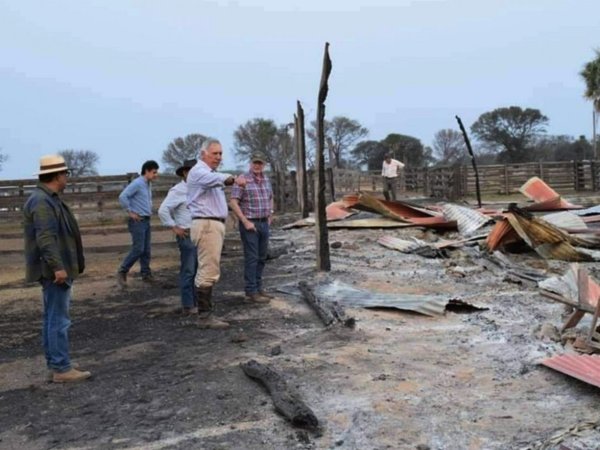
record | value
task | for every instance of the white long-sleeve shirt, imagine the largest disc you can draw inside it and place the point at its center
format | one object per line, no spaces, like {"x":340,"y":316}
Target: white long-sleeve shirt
{"x":391,"y":170}
{"x":173,"y":210}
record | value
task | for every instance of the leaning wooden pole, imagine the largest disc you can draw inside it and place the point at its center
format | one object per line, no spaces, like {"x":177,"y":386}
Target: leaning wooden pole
{"x":323,"y":260}
{"x":303,"y":182}
{"x":473,"y":162}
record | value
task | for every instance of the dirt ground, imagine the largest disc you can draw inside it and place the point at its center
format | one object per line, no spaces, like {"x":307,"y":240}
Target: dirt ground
{"x":464,"y":380}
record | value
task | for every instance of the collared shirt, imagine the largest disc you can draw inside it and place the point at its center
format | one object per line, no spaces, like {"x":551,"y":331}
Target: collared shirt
{"x":137,"y":197}
{"x":173,"y":211}
{"x":255,"y":198}
{"x":52,"y":237}
{"x":206,"y":194}
{"x":391,"y":170}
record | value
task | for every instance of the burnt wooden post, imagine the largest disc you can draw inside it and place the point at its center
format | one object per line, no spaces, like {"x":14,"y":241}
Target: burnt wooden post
{"x":330,"y":175}
{"x":301,"y":143}
{"x":322,"y":236}
{"x":472,"y":156}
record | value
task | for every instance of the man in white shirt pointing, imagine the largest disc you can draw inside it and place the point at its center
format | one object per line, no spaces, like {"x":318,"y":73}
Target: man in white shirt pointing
{"x":390,"y":170}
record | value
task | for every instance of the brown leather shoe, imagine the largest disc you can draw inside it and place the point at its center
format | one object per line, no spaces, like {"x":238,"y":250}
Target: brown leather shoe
{"x":122,"y":279}
{"x":264,"y":294}
{"x":70,"y":376}
{"x":256,"y":298}
{"x":212,"y":323}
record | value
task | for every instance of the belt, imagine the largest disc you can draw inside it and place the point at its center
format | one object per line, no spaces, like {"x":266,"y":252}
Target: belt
{"x":261,"y":219}
{"x":218,"y":219}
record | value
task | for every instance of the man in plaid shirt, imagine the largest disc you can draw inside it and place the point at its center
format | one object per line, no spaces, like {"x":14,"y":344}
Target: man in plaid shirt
{"x":54,"y":258}
{"x":253,"y":205}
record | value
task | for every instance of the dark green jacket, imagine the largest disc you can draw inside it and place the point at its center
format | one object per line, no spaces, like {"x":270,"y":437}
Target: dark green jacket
{"x":52,"y":237}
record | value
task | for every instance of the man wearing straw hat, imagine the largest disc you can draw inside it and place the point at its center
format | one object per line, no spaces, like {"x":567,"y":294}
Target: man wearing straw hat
{"x":54,"y":258}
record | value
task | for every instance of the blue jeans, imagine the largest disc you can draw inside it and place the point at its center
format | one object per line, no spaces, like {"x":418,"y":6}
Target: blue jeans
{"x":55,"y":327}
{"x":187,"y":271}
{"x":256,"y":244}
{"x":140,"y":247}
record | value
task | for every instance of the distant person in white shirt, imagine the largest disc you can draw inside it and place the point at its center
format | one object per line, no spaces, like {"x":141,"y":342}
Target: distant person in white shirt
{"x":390,"y":170}
{"x":174,"y":213}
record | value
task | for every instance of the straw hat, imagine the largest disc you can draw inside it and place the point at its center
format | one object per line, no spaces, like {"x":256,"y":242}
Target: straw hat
{"x":51,"y":164}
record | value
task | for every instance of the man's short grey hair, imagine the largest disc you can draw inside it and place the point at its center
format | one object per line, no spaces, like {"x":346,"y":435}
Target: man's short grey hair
{"x":207,"y":143}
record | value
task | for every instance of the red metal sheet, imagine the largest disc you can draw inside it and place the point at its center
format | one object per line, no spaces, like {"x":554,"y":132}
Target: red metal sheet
{"x":545,"y":198}
{"x":338,"y":211}
{"x":583,"y":367}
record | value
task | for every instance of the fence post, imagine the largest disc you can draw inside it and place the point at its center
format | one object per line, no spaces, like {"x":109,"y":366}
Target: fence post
{"x":505,"y":179}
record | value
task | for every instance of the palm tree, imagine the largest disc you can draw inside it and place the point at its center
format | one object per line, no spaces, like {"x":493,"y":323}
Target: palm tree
{"x":591,"y":76}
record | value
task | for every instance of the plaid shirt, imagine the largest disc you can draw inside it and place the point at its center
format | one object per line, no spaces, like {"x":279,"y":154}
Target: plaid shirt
{"x":255,"y":198}
{"x":52,"y":237}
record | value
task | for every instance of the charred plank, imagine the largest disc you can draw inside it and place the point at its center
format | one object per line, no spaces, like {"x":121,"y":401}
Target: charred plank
{"x":286,"y":400}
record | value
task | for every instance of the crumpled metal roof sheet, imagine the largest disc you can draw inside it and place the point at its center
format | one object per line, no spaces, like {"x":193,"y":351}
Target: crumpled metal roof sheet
{"x":468,"y":220}
{"x":395,"y":210}
{"x":547,"y":240}
{"x":338,"y":211}
{"x":545,"y":198}
{"x":429,"y":305}
{"x":567,"y":286}
{"x":594,"y":210}
{"x":381,"y":222}
{"x":583,"y":367}
{"x":413,"y":245}
{"x":501,"y":234}
{"x":565,"y":219}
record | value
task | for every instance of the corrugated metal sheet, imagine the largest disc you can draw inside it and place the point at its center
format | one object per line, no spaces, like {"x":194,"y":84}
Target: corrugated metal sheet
{"x":501,"y":234}
{"x":545,"y":198}
{"x":583,"y":367}
{"x":467,"y":219}
{"x":413,"y":245}
{"x":565,"y":219}
{"x":567,"y":286}
{"x":547,"y":240}
{"x":394,"y":210}
{"x":369,"y":223}
{"x":429,"y":305}
{"x":594,"y":210}
{"x":338,"y":211}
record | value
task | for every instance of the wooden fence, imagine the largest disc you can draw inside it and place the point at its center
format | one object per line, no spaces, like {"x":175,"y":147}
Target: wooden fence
{"x":96,"y":198}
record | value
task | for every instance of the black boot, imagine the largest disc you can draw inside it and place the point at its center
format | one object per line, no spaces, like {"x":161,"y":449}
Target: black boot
{"x":206,"y":308}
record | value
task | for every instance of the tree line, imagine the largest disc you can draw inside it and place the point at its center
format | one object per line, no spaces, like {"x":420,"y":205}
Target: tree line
{"x":504,"y":135}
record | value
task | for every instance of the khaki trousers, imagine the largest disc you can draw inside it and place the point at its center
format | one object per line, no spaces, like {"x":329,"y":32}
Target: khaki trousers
{"x":208,"y":236}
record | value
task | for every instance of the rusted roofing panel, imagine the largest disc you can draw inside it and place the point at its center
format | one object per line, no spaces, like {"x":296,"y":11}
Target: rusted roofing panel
{"x":467,"y":219}
{"x":545,"y":198}
{"x":413,"y":245}
{"x":394,"y":210}
{"x":547,"y":240}
{"x":583,"y":367}
{"x":338,"y":211}
{"x":502,"y":233}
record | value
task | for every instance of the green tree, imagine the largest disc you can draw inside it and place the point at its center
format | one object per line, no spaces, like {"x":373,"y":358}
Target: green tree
{"x":341,"y":133}
{"x":181,"y":149}
{"x":370,"y":153}
{"x":81,"y":163}
{"x":591,"y":76}
{"x":511,"y":132}
{"x":408,"y":150}
{"x":265,"y":136}
{"x":449,"y":147}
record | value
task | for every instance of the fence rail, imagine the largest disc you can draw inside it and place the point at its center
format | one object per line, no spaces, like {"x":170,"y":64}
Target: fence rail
{"x":97,"y":197}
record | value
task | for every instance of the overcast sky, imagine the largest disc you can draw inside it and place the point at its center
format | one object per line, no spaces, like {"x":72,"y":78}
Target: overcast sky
{"x":124,"y":78}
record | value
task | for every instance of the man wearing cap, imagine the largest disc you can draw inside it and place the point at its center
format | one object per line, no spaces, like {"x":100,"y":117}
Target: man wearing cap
{"x":208,"y":207}
{"x":253,"y":205}
{"x":389,"y":171}
{"x":136,"y":199}
{"x":54,"y":258}
{"x":174,"y":213}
